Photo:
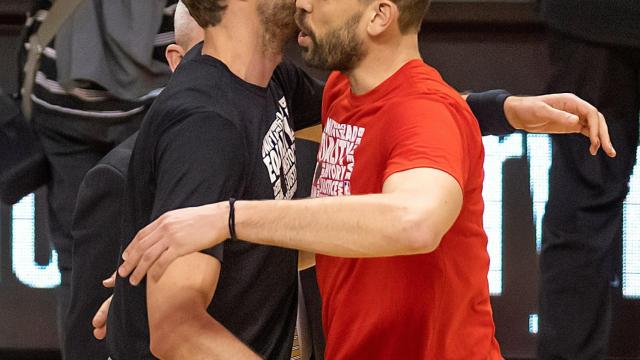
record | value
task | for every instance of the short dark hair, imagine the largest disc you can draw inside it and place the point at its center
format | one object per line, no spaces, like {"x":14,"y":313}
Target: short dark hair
{"x":206,"y":12}
{"x":412,"y":13}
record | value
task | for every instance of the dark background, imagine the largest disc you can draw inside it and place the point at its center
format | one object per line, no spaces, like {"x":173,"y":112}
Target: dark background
{"x":476,"y":45}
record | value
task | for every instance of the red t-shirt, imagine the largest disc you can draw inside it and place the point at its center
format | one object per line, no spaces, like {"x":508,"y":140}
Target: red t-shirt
{"x":431,"y":306}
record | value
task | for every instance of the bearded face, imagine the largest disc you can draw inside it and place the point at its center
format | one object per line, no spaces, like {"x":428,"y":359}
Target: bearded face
{"x":277,"y":18}
{"x":339,"y":47}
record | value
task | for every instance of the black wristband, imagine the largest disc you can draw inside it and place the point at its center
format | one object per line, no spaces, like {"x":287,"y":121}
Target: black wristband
{"x":488,"y":107}
{"x":232,"y":219}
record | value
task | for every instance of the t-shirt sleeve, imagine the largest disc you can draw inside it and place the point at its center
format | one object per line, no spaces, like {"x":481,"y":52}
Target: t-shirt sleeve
{"x":198,"y":162}
{"x":303,"y":93}
{"x":425,"y":134}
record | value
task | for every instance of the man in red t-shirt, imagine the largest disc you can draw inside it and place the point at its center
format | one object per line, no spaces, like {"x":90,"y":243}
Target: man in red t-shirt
{"x":397,"y":219}
{"x":411,"y":134}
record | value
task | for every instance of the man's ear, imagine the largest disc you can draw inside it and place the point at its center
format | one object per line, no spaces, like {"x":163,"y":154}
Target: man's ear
{"x":174,"y":55}
{"x":384,"y":14}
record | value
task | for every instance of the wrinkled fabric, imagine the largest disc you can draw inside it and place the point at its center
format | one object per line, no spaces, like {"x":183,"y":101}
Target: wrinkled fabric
{"x":111,"y":43}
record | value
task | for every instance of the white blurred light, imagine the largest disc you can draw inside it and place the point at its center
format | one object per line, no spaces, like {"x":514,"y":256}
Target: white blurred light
{"x":23,"y":250}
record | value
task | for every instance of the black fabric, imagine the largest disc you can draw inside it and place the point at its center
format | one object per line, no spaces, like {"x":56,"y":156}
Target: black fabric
{"x":23,"y":164}
{"x":488,"y":108}
{"x":208,"y":137}
{"x":73,"y":146}
{"x":582,"y":225}
{"x":96,"y":233}
{"x":614,"y":22}
{"x":303,"y":93}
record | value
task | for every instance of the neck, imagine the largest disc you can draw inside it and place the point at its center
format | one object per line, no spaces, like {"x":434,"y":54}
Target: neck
{"x":238,"y":43}
{"x":381,"y":62}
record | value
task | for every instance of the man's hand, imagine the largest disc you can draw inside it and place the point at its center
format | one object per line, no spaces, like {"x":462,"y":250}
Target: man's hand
{"x":559,"y":114}
{"x":174,"y":234}
{"x":100,"y":318}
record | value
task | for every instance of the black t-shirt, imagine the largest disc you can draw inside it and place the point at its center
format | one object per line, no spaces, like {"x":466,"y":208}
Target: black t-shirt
{"x":208,"y":137}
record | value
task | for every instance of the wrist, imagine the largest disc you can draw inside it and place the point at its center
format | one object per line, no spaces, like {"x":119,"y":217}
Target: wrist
{"x":489,"y":108}
{"x":231,"y":210}
{"x":511,"y":104}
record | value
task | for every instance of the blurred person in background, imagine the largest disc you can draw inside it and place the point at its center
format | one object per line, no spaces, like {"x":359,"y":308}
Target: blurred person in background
{"x":94,"y":84}
{"x":595,"y":53}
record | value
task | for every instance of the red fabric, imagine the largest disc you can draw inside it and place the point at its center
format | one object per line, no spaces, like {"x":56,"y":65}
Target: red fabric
{"x":432,"y":306}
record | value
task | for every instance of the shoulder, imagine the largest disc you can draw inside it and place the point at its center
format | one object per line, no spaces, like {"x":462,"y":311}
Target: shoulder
{"x":435,"y":117}
{"x":190,"y":99}
{"x":202,"y":123}
{"x":421,"y":107}
{"x":427,"y":97}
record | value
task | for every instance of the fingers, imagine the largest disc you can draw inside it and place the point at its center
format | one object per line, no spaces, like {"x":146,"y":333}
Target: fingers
{"x":593,"y":123}
{"x":598,"y":133}
{"x":141,"y":235}
{"x":162,"y":264}
{"x":605,"y":139}
{"x":148,"y":260}
{"x":110,"y":282}
{"x":100,"y":333}
{"x":99,"y":321}
{"x":136,"y":249}
{"x":592,"y":117}
{"x":564,"y":122}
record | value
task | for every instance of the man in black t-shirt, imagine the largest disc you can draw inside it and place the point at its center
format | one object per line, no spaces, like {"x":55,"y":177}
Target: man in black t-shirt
{"x":222,"y":128}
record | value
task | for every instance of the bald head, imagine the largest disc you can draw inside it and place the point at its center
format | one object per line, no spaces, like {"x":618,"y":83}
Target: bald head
{"x":188,"y":32}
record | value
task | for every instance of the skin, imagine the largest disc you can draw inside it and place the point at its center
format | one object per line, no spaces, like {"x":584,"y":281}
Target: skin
{"x":188,"y":33}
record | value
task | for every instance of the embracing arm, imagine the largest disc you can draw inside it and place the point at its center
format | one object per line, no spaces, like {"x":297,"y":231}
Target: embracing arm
{"x":500,"y":113}
{"x":416,"y":208}
{"x":409,"y":217}
{"x":179,"y":325}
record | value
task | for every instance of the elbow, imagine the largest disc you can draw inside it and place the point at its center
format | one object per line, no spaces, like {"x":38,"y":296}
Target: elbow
{"x":160,"y":340}
{"x":418,"y":235}
{"x":165,"y":338}
{"x":171,"y":331}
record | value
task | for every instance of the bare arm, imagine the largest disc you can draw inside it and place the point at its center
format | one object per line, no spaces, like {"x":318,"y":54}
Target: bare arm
{"x":416,"y":208}
{"x":180,"y":327}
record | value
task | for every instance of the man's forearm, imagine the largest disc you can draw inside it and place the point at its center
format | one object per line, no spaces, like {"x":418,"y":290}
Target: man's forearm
{"x":354,"y":226}
{"x":415,"y":210}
